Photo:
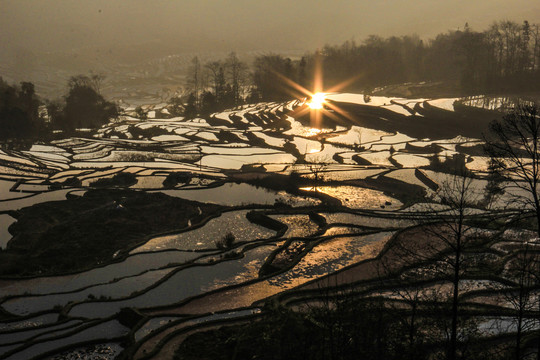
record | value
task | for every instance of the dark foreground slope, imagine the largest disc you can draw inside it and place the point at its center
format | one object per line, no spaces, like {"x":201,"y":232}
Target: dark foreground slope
{"x":79,"y":233}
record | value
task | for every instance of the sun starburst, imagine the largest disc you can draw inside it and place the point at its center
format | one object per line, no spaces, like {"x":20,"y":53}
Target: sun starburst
{"x":317,"y":101}
{"x":317,"y":106}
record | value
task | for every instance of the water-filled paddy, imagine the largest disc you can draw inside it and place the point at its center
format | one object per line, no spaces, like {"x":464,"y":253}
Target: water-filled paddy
{"x":240,"y":194}
{"x":329,"y":256}
{"x":359,"y":198}
{"x":411,"y":161}
{"x":106,"y":351}
{"x":298,"y":225}
{"x":206,"y":236}
{"x":33,"y":322}
{"x":171,"y":145}
{"x":188,"y":282}
{"x":367,"y":221}
{"x":236,"y":161}
{"x":6,"y":194}
{"x":31,"y":304}
{"x":21,"y":336}
{"x":110,"y":329}
{"x":133,"y":265}
{"x":34,"y":199}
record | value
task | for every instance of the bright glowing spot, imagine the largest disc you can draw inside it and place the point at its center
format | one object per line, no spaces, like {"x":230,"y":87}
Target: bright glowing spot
{"x":317,"y":101}
{"x":312,"y":151}
{"x":312,"y":132}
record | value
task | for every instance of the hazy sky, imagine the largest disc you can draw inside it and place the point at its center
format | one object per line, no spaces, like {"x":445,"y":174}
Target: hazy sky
{"x":267,"y":25}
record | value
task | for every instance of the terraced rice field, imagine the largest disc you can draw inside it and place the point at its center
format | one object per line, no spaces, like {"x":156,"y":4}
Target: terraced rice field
{"x":177,"y":281}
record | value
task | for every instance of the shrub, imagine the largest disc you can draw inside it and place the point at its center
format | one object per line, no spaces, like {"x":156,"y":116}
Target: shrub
{"x":137,"y":132}
{"x":121,"y":179}
{"x":176,"y":178}
{"x":226,"y":242}
{"x":141,"y":113}
{"x":72,"y":182}
{"x":136,"y":157}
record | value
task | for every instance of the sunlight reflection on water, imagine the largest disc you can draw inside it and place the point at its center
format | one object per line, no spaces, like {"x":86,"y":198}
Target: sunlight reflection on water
{"x":359,"y":198}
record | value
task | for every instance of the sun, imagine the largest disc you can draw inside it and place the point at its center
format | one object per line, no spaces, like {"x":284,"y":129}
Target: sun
{"x":317,"y":101}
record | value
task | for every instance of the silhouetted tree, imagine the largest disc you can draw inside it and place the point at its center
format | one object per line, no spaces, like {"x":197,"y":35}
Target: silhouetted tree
{"x":504,"y":57}
{"x":270,"y":76}
{"x":84,"y":106}
{"x":19,"y":112}
{"x":216,"y":77}
{"x":209,"y":103}
{"x":176,"y":106}
{"x":457,"y":236}
{"x":57,"y":116}
{"x":316,"y":166}
{"x":523,"y":269}
{"x":514,"y":147}
{"x":141,"y":113}
{"x":190,"y":110}
{"x":449,"y":238}
{"x":195,"y":80}
{"x":237,"y":74}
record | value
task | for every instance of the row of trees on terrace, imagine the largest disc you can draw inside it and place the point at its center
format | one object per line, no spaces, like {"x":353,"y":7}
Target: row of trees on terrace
{"x":505,"y":57}
{"x":212,"y":86}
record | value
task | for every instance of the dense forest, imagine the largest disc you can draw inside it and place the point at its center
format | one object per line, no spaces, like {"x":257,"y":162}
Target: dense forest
{"x":505,"y":57}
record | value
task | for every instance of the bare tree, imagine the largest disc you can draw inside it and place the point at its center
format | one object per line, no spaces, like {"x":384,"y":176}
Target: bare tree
{"x":535,"y":36}
{"x":458,"y":194}
{"x":441,"y":250}
{"x":96,"y":81}
{"x":514,"y":148}
{"x":523,"y":269}
{"x":217,"y":77}
{"x":195,"y":79}
{"x":411,"y":295}
{"x":437,"y":251}
{"x":507,"y":39}
{"x":237,"y":73}
{"x":316,"y":166}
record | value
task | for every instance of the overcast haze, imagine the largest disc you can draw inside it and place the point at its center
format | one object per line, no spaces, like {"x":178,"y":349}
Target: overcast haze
{"x":60,"y":25}
{"x":47,"y":41}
